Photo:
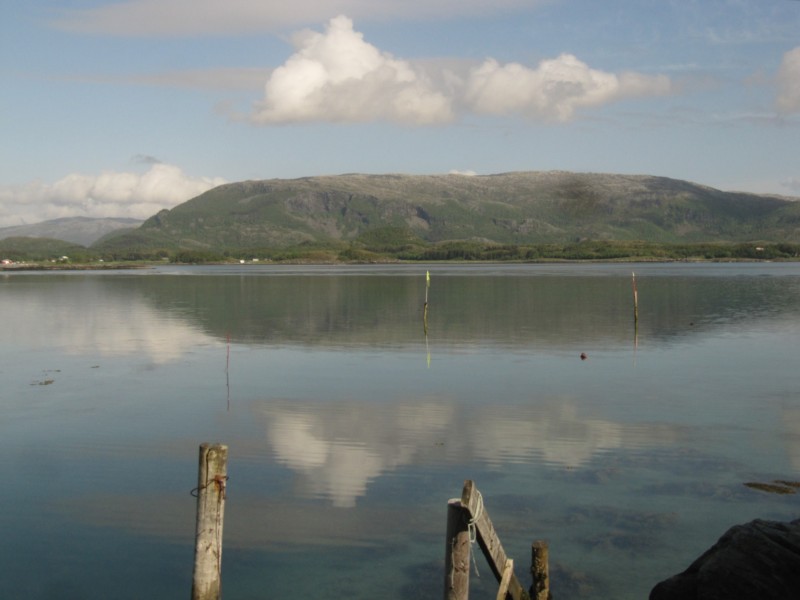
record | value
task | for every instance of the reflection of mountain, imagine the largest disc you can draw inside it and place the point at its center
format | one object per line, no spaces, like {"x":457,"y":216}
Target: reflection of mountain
{"x":161,"y":315}
{"x":338,"y":448}
{"x":92,"y":315}
{"x":544,"y":311}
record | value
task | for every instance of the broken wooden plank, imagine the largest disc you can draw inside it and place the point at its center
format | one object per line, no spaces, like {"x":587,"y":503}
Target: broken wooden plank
{"x":488,"y":540}
{"x":508,"y":573}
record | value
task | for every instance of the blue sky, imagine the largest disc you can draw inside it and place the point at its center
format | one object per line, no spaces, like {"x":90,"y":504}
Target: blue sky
{"x":122,"y":108}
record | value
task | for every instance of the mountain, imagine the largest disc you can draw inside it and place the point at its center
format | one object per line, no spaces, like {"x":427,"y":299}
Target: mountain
{"x":77,"y":230}
{"x":20,"y":249}
{"x":509,"y":208}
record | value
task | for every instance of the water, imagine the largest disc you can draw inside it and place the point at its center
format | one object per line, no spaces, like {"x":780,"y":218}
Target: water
{"x":349,"y":429}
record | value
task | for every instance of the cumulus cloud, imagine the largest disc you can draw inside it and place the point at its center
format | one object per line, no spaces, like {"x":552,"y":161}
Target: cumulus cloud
{"x":788,"y":100}
{"x":110,"y":194}
{"x":338,"y":76}
{"x":555,"y":89}
{"x":793,"y":184}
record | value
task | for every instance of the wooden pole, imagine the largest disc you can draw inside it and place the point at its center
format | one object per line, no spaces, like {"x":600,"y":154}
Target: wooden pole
{"x":211,"y":484}
{"x":456,"y":566}
{"x":425,"y":306}
{"x":635,"y":311}
{"x":540,"y":590}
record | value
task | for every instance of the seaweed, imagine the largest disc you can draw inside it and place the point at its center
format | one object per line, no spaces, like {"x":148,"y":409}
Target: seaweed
{"x":778,"y":486}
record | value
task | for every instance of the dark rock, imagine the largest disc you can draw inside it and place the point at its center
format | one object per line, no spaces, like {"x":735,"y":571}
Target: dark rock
{"x":760,"y":559}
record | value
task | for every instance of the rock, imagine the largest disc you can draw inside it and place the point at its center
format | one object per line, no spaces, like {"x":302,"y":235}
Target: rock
{"x":760,"y":559}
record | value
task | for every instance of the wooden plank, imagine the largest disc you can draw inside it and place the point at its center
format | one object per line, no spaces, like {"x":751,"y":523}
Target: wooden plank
{"x":508,"y":573}
{"x":488,"y":540}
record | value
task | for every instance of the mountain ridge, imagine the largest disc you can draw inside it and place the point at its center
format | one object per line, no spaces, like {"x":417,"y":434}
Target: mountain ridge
{"x":515,"y":208}
{"x":391,"y":211}
{"x":78,"y":230}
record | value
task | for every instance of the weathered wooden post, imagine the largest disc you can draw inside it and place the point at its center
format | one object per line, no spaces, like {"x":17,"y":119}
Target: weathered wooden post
{"x":540,"y":590}
{"x":635,"y":311}
{"x":456,"y":567}
{"x":211,"y":482}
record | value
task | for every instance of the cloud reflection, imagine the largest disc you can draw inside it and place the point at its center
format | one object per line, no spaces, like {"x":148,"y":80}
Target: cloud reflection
{"x":339,"y":448}
{"x":85,"y":317}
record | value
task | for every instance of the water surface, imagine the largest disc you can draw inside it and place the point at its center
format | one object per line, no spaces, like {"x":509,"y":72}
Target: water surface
{"x":349,"y":428}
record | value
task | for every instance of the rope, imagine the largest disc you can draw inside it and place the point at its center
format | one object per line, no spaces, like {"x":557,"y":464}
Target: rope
{"x":221,"y":482}
{"x":218,"y":480}
{"x":472,"y":529}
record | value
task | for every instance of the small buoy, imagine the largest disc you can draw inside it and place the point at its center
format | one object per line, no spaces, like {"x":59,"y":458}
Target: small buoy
{"x":583,"y":356}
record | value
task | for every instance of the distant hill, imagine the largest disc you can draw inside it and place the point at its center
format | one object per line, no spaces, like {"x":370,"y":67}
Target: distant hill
{"x":78,"y":230}
{"x":509,"y":208}
{"x":30,"y":248}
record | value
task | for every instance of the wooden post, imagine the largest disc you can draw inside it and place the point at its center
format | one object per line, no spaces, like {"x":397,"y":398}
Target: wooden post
{"x":540,"y":590}
{"x":456,"y":567}
{"x":635,"y":311}
{"x":425,"y":306}
{"x":211,"y":483}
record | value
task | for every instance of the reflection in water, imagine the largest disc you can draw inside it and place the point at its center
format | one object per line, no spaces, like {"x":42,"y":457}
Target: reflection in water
{"x":92,"y":316}
{"x":331,"y":406}
{"x":791,"y":426}
{"x":163,"y":314}
{"x":559,"y":436}
{"x":338,"y":448}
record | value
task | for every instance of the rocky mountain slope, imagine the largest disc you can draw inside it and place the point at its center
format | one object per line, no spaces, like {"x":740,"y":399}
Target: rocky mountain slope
{"x":516,"y":208}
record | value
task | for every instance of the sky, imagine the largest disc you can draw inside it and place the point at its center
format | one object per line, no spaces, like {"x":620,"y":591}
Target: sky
{"x":123,"y":108}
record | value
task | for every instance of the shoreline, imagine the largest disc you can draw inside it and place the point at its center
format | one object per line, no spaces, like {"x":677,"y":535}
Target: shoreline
{"x":123,"y":266}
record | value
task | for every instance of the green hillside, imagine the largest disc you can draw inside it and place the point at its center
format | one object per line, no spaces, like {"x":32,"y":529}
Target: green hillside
{"x":40,"y":249}
{"x":511,"y":208}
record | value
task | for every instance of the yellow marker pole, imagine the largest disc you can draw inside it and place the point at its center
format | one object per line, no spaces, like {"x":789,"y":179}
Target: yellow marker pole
{"x":425,"y":315}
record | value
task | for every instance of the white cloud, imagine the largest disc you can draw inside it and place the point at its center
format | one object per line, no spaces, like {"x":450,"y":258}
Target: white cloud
{"x":204,"y":17}
{"x":337,"y":76}
{"x":788,"y":100}
{"x":555,"y":89}
{"x":110,"y":194}
{"x":792,"y":184}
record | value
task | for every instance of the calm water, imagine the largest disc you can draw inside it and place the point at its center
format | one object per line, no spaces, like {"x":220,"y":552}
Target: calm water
{"x":349,"y":429}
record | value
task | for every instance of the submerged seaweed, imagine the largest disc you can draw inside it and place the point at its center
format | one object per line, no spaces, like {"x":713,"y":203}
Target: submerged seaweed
{"x":776,"y":487}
